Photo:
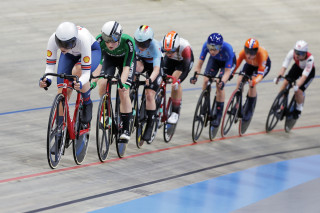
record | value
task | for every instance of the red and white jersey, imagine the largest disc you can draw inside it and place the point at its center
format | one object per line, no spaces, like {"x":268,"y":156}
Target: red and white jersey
{"x":306,"y":64}
{"x":83,"y":48}
{"x":184,"y":51}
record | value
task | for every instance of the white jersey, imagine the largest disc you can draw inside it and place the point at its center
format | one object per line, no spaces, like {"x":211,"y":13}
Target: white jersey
{"x":179,"y":56}
{"x":83,"y":48}
{"x":306,"y":65}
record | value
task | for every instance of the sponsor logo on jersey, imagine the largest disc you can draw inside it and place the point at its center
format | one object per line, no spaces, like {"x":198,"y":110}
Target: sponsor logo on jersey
{"x":86,"y":59}
{"x":49,"y":53}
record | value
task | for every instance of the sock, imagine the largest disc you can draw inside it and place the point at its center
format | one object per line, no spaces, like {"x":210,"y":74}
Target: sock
{"x":176,"y":103}
{"x":151,"y":114}
{"x":125,"y":118}
{"x":86,"y":97}
{"x":220,"y":106}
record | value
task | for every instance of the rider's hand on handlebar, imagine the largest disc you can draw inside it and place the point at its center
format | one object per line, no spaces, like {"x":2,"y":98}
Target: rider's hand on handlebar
{"x":77,"y":86}
{"x":43,"y":83}
{"x":276,"y":80}
{"x":193,"y":80}
{"x":176,"y":84}
{"x":221,"y":85}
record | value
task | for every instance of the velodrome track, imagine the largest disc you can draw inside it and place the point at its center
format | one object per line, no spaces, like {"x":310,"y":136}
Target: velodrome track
{"x":26,"y":181}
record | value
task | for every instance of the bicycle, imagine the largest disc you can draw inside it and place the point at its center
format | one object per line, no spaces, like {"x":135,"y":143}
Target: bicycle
{"x":234,"y":111}
{"x":139,"y":116}
{"x":108,"y":124}
{"x":280,"y":109}
{"x":62,"y":129}
{"x":203,"y":114}
{"x":164,"y":110}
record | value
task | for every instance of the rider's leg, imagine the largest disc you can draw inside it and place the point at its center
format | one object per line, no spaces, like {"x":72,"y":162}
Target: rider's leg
{"x":125,"y":112}
{"x":151,"y":113}
{"x":220,"y":97}
{"x":251,"y":100}
{"x":176,"y":97}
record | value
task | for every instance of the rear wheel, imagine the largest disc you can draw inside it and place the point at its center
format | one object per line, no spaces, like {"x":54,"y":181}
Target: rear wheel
{"x":57,"y":131}
{"x":80,"y":144}
{"x":200,"y":116}
{"x":290,"y":120}
{"x":276,"y":111}
{"x":104,"y":128}
{"x":230,"y":114}
{"x":168,"y":128}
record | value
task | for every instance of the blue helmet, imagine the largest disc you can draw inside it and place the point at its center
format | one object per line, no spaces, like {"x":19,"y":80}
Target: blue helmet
{"x":215,"y":41}
{"x":143,"y":36}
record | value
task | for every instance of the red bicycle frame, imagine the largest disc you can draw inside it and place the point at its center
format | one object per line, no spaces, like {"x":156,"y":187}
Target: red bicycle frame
{"x":163,"y":86}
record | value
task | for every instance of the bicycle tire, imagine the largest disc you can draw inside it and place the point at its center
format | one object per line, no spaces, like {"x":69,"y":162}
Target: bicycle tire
{"x":290,"y":120}
{"x":121,"y":145}
{"x":243,"y":125}
{"x":142,"y":120}
{"x":157,"y":121}
{"x":276,"y":111}
{"x":200,"y":116}
{"x":80,"y":143}
{"x":104,"y":128}
{"x":168,"y":128}
{"x":213,"y":130}
{"x":230,"y":112}
{"x":53,"y":130}
{"x":134,"y":103}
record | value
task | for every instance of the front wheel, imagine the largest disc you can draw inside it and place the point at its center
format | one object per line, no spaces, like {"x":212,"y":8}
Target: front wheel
{"x":276,"y":111}
{"x":213,"y":130}
{"x":168,"y":128}
{"x":80,"y":144}
{"x":57,"y":131}
{"x":243,"y":125}
{"x":104,"y":128}
{"x":230,"y":114}
{"x":200,"y":116}
{"x":141,"y":122}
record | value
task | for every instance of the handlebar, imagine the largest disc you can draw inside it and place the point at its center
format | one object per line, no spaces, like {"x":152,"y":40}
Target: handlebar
{"x":109,"y":77}
{"x":208,"y":76}
{"x":64,"y":76}
{"x":167,"y":77}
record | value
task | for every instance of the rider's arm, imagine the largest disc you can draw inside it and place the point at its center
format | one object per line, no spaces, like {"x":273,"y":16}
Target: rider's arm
{"x":52,"y":49}
{"x":229,"y":62}
{"x":128,"y":60}
{"x":85,"y":60}
{"x":202,"y":57}
{"x":187,"y":56}
{"x":306,"y":71}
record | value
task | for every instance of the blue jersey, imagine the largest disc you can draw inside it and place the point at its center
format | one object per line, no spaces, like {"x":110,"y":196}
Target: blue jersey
{"x":225,"y":54}
{"x":152,"y":54}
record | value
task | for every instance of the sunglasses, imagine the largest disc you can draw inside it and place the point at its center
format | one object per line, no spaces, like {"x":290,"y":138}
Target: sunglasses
{"x":213,"y":47}
{"x":110,"y":39}
{"x":301,"y":53}
{"x":170,"y":51}
{"x":251,"y":51}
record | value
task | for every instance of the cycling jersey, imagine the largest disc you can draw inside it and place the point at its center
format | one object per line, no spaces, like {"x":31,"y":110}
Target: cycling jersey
{"x":259,"y":61}
{"x":125,"y":49}
{"x":225,"y":54}
{"x":152,"y":54}
{"x":306,"y":65}
{"x":82,"y":50}
{"x":181,"y":60}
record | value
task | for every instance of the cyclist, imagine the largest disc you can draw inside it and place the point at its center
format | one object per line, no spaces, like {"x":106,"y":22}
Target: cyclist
{"x":77,"y":46}
{"x":117,"y":52}
{"x":303,"y":69}
{"x":258,"y":65}
{"x":221,"y":58}
{"x":149,"y":58}
{"x":178,"y":61}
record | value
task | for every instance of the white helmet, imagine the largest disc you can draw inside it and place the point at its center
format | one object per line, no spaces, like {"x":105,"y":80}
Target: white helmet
{"x":171,"y":41}
{"x":66,"y":35}
{"x":301,"y":46}
{"x":111,"y":31}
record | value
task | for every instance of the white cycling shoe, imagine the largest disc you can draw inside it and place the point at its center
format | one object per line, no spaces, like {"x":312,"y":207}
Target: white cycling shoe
{"x":173,"y":119}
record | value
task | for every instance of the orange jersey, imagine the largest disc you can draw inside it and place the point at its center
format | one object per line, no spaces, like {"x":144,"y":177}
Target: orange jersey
{"x":259,"y":61}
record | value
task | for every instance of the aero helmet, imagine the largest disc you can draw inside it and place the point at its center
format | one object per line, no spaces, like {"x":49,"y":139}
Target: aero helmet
{"x":171,"y":41}
{"x":143,"y":36}
{"x":66,"y":35}
{"x":215,"y":41}
{"x":301,"y":47}
{"x":251,"y":46}
{"x":111,"y":31}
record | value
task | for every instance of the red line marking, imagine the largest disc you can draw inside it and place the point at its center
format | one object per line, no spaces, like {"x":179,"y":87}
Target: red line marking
{"x":144,"y":153}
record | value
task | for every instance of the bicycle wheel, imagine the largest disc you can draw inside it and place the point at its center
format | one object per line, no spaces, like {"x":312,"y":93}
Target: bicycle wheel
{"x":200,"y":116}
{"x":134,"y":103}
{"x":230,"y":113}
{"x":213,"y":130}
{"x":80,"y":144}
{"x":276,"y":111}
{"x":57,"y":131}
{"x":290,"y":120}
{"x":243,"y":125}
{"x":104,"y":128}
{"x":142,"y":120}
{"x":121,"y":144}
{"x":168,"y":128}
{"x":157,"y":120}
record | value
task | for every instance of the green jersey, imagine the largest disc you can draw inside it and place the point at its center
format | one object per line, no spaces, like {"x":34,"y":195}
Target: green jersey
{"x":125,"y":49}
